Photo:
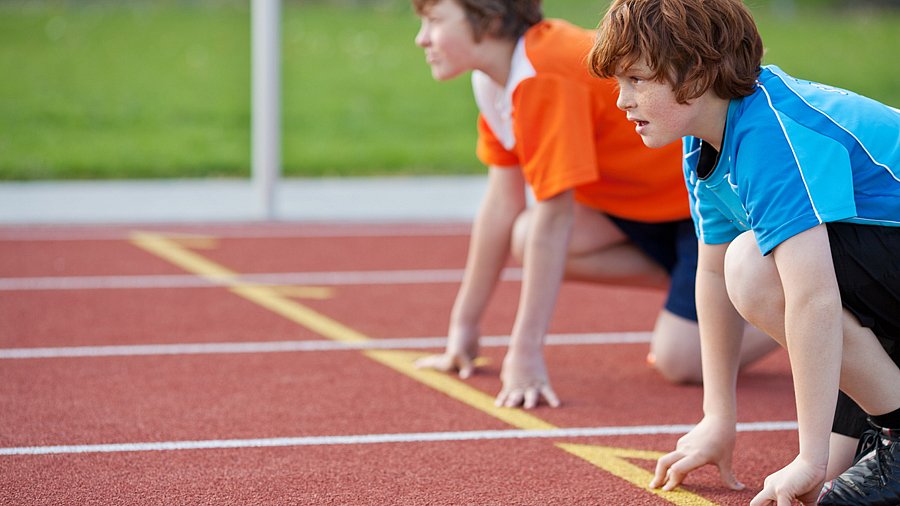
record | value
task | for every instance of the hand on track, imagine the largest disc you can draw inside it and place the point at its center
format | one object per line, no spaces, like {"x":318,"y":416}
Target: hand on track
{"x":525,"y":382}
{"x":462,"y":349}
{"x":710,"y":442}
{"x":799,"y":481}
{"x":447,"y":362}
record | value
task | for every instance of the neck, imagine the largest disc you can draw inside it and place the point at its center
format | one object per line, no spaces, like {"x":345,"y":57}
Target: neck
{"x":496,"y":61}
{"x":713,"y":113}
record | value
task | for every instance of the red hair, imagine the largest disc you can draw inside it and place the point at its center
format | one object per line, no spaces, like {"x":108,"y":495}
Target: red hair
{"x":696,"y":45}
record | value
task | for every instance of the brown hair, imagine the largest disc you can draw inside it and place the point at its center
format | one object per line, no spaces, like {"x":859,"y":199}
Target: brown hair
{"x":505,"y":19}
{"x":694,"y":44}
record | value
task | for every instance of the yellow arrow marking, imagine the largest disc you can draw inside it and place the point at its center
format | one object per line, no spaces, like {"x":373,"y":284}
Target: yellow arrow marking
{"x":197,"y":242}
{"x":612,"y":460}
{"x":481,"y":361}
{"x":305,"y":292}
{"x":262,"y":295}
{"x":270,"y":297}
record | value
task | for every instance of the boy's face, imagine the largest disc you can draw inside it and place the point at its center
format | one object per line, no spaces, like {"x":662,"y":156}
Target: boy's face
{"x":652,"y":106}
{"x":446,"y":36}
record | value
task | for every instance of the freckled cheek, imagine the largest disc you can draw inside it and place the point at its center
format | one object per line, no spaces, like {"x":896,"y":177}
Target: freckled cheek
{"x":664,"y":114}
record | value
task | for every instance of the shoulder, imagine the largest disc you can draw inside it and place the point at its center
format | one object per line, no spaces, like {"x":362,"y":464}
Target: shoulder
{"x":557,"y":46}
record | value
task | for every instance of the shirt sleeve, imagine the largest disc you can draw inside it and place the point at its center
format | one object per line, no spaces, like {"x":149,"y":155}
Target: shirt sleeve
{"x":791,"y":178}
{"x":490,"y":150}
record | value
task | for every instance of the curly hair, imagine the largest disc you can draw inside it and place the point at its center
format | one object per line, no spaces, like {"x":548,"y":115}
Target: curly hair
{"x":507,"y":19}
{"x":696,"y":45}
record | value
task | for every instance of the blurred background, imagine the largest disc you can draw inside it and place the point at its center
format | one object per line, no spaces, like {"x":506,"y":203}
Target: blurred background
{"x":161,"y":89}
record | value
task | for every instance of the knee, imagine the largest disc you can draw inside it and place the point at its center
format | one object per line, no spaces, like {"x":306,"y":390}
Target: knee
{"x":751,"y":280}
{"x":678,"y":367}
{"x":675,"y":349}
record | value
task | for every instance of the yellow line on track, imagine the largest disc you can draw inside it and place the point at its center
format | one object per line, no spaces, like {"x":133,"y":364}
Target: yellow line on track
{"x":613,"y":460}
{"x":265,"y":296}
{"x":402,"y":362}
{"x":273,"y":298}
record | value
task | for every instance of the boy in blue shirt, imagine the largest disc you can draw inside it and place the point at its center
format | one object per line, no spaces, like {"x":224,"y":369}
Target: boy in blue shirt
{"x":795,"y":196}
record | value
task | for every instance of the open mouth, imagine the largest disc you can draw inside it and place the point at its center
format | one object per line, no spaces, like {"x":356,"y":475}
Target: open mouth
{"x":637,"y":122}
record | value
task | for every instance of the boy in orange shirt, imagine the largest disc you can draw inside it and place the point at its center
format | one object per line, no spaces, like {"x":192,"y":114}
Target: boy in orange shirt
{"x":600,"y":214}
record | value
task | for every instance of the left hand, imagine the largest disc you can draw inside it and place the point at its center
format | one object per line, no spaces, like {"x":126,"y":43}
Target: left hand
{"x":710,"y":442}
{"x":799,"y":481}
{"x":525,"y":381}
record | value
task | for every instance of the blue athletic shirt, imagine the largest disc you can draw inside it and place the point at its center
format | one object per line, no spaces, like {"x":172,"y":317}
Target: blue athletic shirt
{"x":796,"y":154}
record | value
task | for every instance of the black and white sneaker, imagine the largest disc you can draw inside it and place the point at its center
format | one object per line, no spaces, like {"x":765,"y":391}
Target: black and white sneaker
{"x":874,"y":478}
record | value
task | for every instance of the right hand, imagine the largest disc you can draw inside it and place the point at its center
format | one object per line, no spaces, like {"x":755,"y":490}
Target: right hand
{"x":525,"y":381}
{"x":800,"y":480}
{"x":462,"y":349}
{"x":710,"y":442}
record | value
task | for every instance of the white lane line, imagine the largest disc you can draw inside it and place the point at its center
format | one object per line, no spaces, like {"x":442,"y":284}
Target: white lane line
{"x":396,"y":277}
{"x":420,"y":437}
{"x":299,"y":346}
{"x":255,"y":231}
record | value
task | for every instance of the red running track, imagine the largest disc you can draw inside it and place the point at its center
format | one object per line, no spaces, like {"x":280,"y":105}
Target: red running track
{"x":130,"y":375}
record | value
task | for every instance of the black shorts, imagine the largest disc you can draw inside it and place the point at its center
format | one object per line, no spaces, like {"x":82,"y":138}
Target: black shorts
{"x":673,"y":245}
{"x":867,"y":264}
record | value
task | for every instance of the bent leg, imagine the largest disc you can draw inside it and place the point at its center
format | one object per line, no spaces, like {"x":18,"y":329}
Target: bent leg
{"x":868,"y":374}
{"x":841,"y":450}
{"x":754,"y":286}
{"x":598,"y":252}
{"x":675,"y":348}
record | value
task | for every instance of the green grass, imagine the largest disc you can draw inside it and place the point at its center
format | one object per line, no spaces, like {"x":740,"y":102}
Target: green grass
{"x":123,"y":91}
{"x":147,"y":89}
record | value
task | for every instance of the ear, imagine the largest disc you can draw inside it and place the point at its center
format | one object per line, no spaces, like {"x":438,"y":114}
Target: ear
{"x":494,"y":27}
{"x":490,"y":27}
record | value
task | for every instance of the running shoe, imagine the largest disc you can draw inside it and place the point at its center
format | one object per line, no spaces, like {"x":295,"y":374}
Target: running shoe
{"x":874,"y":478}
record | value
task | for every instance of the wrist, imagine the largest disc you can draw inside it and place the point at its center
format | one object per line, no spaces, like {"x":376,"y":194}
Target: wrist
{"x":463,"y":339}
{"x":814,"y":457}
{"x":725,"y":419}
{"x":720,"y":406}
{"x":525,"y":345}
{"x":817,"y":467}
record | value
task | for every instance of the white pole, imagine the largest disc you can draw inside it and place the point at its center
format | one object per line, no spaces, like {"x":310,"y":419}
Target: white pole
{"x":266,"y":101}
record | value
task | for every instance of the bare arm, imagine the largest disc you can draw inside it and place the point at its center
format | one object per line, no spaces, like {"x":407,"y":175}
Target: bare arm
{"x":814,"y":336}
{"x":489,"y":247}
{"x":524,"y":373}
{"x":813,"y":331}
{"x":489,"y":244}
{"x":721,"y":330}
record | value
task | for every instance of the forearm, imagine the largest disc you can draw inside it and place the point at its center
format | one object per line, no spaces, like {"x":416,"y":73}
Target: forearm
{"x":489,"y":245}
{"x":814,"y":335}
{"x":544,"y":264}
{"x":488,"y":253}
{"x":721,"y":331}
{"x":814,"y":343}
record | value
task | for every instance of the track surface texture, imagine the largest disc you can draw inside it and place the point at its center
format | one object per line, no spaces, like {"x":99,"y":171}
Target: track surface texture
{"x":271,"y":363}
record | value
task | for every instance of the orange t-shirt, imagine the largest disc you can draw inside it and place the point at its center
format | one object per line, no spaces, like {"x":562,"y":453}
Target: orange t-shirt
{"x":561,"y":126}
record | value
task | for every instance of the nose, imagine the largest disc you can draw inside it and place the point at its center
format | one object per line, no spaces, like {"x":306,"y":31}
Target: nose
{"x":422,"y":39}
{"x":625,"y":100}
